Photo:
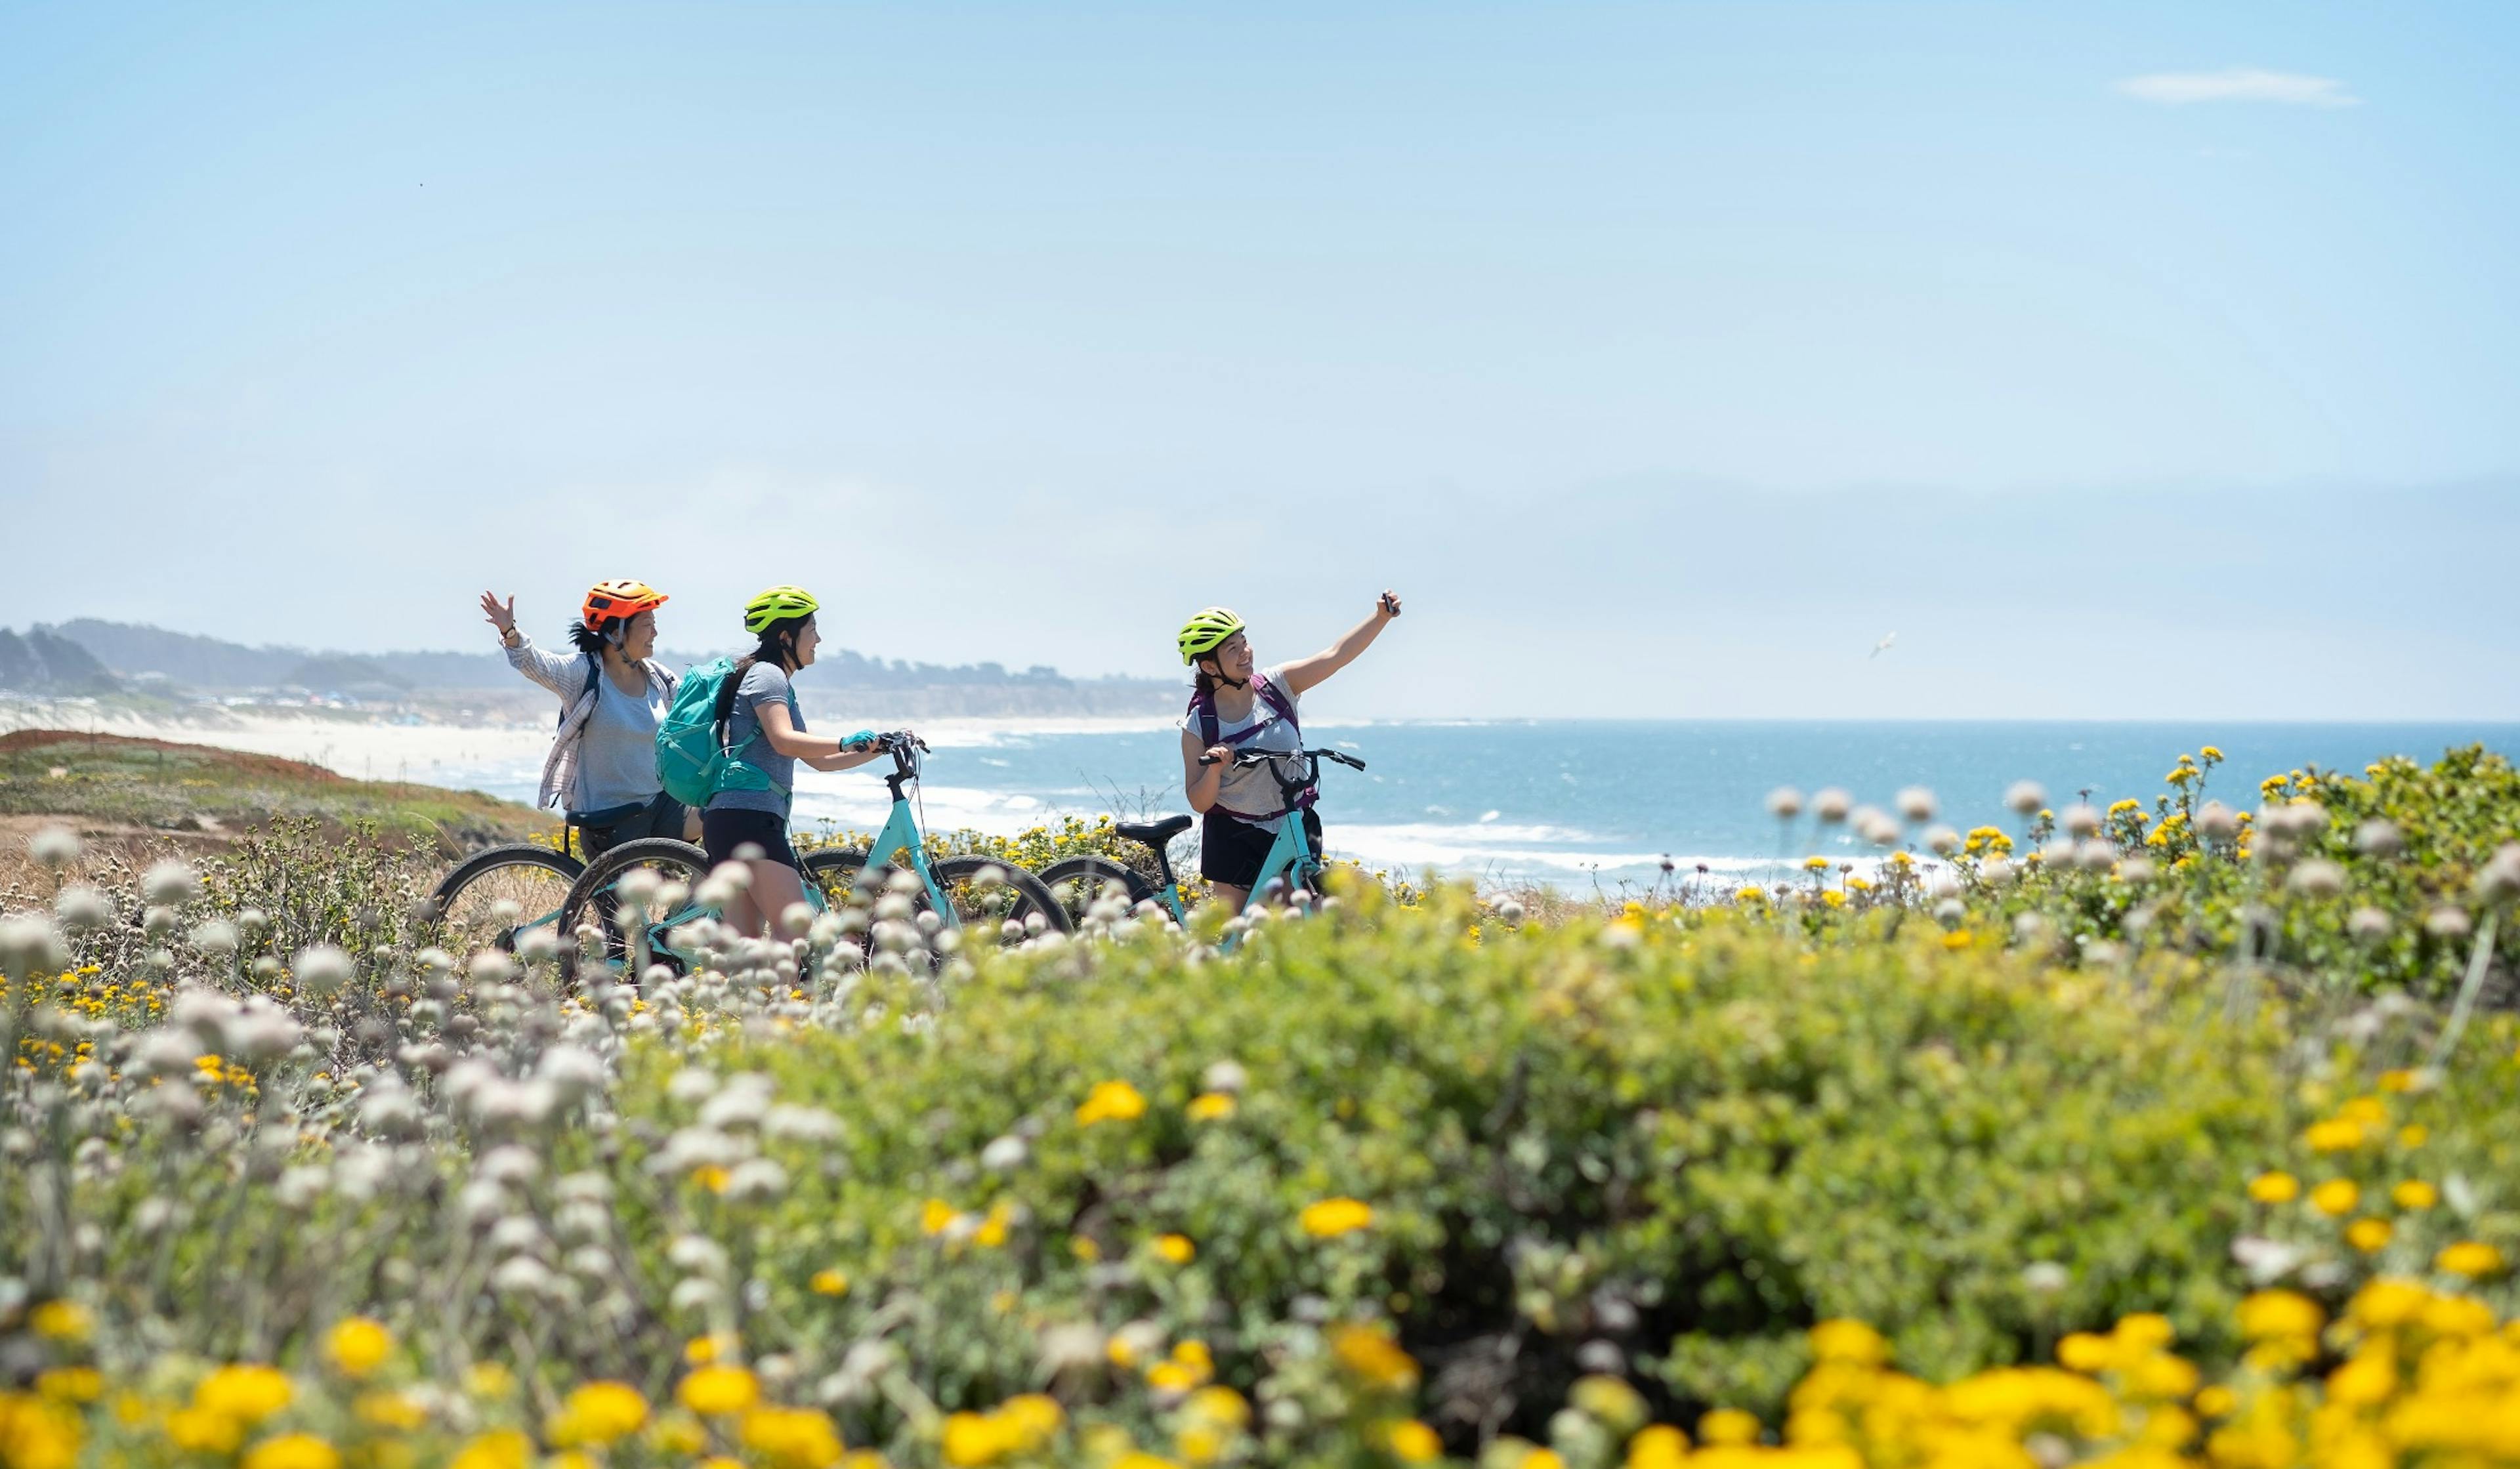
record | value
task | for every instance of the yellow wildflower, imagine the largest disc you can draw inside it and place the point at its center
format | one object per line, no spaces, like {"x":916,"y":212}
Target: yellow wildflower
{"x":935,"y":1217}
{"x":2336,"y":1196}
{"x":499,"y":1449}
{"x":2274,"y":1188}
{"x":1371,"y":1355}
{"x":1331,"y":1218}
{"x":1414,"y":1443}
{"x":1176,"y":1249}
{"x":829,"y":1283}
{"x":715,"y":1391}
{"x":2414,"y":1194}
{"x":792,"y":1438}
{"x":1658,"y":1446}
{"x":246,"y":1392}
{"x":1110,"y":1101}
{"x":297,"y":1450}
{"x":396,"y":1411}
{"x":1219,"y":1405}
{"x":1728,"y":1426}
{"x":358,"y":1346}
{"x":2470,"y":1258}
{"x":70,"y":1383}
{"x":1210,"y":1106}
{"x":61,"y":1321}
{"x":599,"y":1413}
{"x":202,"y":1431}
{"x":2280,"y":1314}
{"x":1848,"y":1341}
{"x":2368,"y":1235}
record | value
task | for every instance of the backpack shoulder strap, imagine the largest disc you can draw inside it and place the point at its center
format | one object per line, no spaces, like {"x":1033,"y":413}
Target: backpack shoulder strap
{"x":727,"y":688}
{"x":1204,"y":706}
{"x":1279,"y":699}
{"x":594,"y":671}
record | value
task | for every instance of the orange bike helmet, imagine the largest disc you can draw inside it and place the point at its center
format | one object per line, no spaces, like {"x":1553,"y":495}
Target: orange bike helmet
{"x":622,"y":598}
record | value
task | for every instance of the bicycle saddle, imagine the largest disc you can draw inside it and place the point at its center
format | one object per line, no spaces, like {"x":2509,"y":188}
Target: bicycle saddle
{"x":1154,"y":834}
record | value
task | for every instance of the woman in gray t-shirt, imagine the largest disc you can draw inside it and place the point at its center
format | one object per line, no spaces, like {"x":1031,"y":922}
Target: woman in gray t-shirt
{"x":1241,"y":706}
{"x":766,"y":732}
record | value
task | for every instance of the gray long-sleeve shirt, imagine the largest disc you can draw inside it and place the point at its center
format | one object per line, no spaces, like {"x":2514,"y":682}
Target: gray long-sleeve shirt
{"x":605,"y":754}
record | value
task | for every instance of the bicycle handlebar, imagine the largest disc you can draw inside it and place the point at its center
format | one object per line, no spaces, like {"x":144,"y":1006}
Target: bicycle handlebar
{"x":1244,"y":758}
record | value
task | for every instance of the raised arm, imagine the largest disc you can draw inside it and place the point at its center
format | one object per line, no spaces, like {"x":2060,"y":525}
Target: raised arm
{"x":561,"y":672}
{"x":1304,"y":673}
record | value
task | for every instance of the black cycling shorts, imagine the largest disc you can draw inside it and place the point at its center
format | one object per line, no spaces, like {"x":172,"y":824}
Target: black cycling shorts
{"x":1231,"y":850}
{"x":723,"y":830}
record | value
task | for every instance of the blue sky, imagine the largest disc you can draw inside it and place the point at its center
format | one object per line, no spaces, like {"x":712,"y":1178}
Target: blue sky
{"x":2134,"y":360}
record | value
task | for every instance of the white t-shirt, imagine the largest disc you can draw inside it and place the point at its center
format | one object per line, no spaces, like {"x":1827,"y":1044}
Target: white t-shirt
{"x":1250,"y":793}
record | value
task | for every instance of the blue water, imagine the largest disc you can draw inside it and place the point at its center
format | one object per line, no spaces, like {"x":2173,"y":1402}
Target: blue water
{"x":1577,"y":803}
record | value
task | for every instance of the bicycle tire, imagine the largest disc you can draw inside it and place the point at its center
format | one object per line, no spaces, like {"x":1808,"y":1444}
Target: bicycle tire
{"x":496,"y":874}
{"x":678,"y":861}
{"x":837,"y":873}
{"x":1075,"y":882}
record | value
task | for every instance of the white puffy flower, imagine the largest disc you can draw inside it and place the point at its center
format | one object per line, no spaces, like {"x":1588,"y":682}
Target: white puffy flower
{"x":691,"y":1084}
{"x":698,"y":1254}
{"x":1784,"y":803}
{"x":171,"y":883}
{"x":572,"y":1071}
{"x":1005,"y":1154}
{"x":521,"y":1275}
{"x":739,"y":1104}
{"x":322,"y":969}
{"x":1832,"y":805}
{"x":30,"y":945}
{"x":79,"y":906}
{"x":2082,"y":819}
{"x":55,"y":847}
{"x":800,"y":1124}
{"x":2025,"y":797}
{"x":299,"y":1187}
{"x":517,"y":1234}
{"x":216,"y":937}
{"x":509,"y":1163}
{"x":756,"y":1180}
{"x":166,"y":1052}
{"x":2317,"y":878}
{"x":1915,"y":803}
{"x":693,"y":1295}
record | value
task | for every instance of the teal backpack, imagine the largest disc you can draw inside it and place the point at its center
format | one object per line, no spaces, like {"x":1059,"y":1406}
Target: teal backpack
{"x":691,"y":758}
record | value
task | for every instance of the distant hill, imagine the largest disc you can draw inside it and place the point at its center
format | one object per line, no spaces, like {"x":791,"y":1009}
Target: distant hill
{"x":85,"y":654}
{"x":43,"y":662}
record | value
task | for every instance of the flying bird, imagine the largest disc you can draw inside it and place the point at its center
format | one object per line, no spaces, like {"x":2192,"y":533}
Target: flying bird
{"x":1878,"y":648}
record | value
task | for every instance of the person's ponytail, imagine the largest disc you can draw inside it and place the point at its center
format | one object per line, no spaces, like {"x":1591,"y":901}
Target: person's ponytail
{"x":777,"y":647}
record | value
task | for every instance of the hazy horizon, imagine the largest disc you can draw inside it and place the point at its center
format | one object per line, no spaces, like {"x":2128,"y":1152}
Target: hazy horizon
{"x":2150,"y":363}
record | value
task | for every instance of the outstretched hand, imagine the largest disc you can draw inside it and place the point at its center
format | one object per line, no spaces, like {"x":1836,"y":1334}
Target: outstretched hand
{"x":502,"y":617}
{"x":1387,"y":606}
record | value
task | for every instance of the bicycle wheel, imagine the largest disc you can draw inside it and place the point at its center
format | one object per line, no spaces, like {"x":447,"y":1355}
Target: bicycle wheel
{"x":986,"y":895}
{"x":493,"y":896}
{"x":592,"y":900}
{"x":1076,"y":883}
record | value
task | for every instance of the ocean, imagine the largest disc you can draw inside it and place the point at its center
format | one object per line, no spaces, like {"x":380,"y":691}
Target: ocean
{"x":1577,"y":803}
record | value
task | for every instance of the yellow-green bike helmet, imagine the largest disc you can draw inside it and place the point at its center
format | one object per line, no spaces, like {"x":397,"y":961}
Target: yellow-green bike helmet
{"x":1207,"y":628}
{"x":776,"y":605}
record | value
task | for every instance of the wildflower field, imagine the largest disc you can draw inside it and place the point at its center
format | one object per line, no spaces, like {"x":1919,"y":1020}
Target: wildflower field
{"x":2178,"y":1133}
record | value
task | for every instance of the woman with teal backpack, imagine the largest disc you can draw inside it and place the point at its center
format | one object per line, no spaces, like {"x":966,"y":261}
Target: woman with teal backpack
{"x":764,"y":736}
{"x":1238,"y":706}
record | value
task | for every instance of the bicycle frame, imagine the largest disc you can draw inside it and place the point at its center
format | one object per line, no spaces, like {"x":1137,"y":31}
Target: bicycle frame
{"x":901,"y":838}
{"x":1291,"y":857}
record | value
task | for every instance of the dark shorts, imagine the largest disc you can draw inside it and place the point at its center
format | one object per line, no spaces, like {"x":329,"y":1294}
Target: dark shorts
{"x":662,"y":815}
{"x":1231,"y":851}
{"x":723,"y":830}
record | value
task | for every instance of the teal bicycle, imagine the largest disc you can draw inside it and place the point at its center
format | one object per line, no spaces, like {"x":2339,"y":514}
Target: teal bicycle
{"x":1291,"y":864}
{"x":974,"y":894}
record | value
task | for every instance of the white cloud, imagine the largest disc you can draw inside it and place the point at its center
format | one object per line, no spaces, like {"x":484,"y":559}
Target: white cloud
{"x":2239,"y":84}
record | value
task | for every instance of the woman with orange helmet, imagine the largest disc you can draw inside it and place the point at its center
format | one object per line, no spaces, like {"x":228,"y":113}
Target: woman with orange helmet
{"x":612,"y":691}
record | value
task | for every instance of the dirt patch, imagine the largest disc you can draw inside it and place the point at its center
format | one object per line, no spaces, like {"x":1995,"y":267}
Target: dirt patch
{"x":29,"y":741}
